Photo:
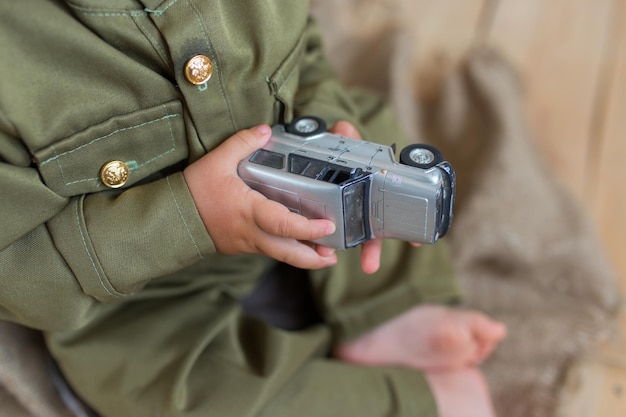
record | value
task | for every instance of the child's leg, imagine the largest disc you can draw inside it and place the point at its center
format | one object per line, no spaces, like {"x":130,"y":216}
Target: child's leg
{"x":196,"y":353}
{"x":460,"y":393}
{"x":446,"y":344}
{"x":390,"y":318}
{"x":427,"y":337}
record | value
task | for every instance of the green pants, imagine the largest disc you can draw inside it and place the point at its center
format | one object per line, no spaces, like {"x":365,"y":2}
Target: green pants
{"x":185,"y":347}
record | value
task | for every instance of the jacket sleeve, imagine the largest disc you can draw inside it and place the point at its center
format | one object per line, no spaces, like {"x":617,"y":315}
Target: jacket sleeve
{"x":61,"y":256}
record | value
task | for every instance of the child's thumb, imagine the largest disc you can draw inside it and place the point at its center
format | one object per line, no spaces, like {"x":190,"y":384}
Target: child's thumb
{"x":245,"y":142}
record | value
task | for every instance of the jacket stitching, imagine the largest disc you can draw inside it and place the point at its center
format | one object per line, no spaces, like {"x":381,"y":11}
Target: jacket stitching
{"x":284,"y":87}
{"x":172,"y":149}
{"x":153,"y":40}
{"x":158,"y":12}
{"x":144,"y":12}
{"x":284,"y":79}
{"x":133,"y":15}
{"x":180,"y":213}
{"x":113,"y":14}
{"x":108,"y":135}
{"x":93,"y":264}
{"x":136,"y":167}
{"x":58,"y":156}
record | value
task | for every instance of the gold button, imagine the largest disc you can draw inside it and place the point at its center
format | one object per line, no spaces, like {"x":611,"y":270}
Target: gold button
{"x":198,"y":70}
{"x":114,"y":174}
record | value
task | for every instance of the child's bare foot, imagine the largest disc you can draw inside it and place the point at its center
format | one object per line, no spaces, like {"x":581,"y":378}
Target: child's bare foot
{"x":427,"y":337}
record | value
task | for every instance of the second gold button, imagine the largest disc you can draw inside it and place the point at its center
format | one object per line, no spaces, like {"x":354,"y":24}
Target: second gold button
{"x":114,"y":174}
{"x":198,"y":70}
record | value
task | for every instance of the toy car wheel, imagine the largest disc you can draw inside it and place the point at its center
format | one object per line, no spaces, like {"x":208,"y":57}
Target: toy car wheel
{"x":421,"y":156}
{"x":306,"y":126}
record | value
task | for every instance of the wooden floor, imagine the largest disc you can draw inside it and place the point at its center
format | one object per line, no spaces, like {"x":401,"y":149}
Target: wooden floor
{"x":572,"y":58}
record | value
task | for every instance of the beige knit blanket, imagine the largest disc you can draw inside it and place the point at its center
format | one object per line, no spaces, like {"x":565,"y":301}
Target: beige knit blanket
{"x":526,"y":252}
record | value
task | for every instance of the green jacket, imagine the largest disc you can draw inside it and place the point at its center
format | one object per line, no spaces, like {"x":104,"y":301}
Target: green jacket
{"x":86,"y":82}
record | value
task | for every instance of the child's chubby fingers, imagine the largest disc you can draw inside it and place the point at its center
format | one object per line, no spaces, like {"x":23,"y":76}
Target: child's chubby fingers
{"x":324,"y":251}
{"x":370,"y":255}
{"x":295,"y":253}
{"x":277,"y":220}
{"x":346,"y":129}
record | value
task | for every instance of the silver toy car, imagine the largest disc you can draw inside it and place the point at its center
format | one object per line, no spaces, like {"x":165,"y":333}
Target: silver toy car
{"x":356,"y":184}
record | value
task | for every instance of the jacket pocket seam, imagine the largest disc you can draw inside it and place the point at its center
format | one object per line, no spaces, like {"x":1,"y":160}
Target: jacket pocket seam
{"x":92,"y":260}
{"x":124,"y":129}
{"x":132,"y":165}
{"x":182,"y":217}
{"x":281,"y":82}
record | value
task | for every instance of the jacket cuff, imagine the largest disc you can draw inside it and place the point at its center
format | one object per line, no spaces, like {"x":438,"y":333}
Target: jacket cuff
{"x":115,"y":243}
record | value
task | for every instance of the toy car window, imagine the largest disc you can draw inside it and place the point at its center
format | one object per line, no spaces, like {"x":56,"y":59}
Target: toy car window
{"x":305,"y":166}
{"x":354,"y":196}
{"x":268,"y":159}
{"x":319,"y":170}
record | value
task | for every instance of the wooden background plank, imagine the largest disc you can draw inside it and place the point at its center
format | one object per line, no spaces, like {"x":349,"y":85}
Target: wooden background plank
{"x":609,"y":187}
{"x":448,"y":27}
{"x":558,"y":47}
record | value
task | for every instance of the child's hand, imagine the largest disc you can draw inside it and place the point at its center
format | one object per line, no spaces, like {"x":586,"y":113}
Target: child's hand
{"x":241,"y":220}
